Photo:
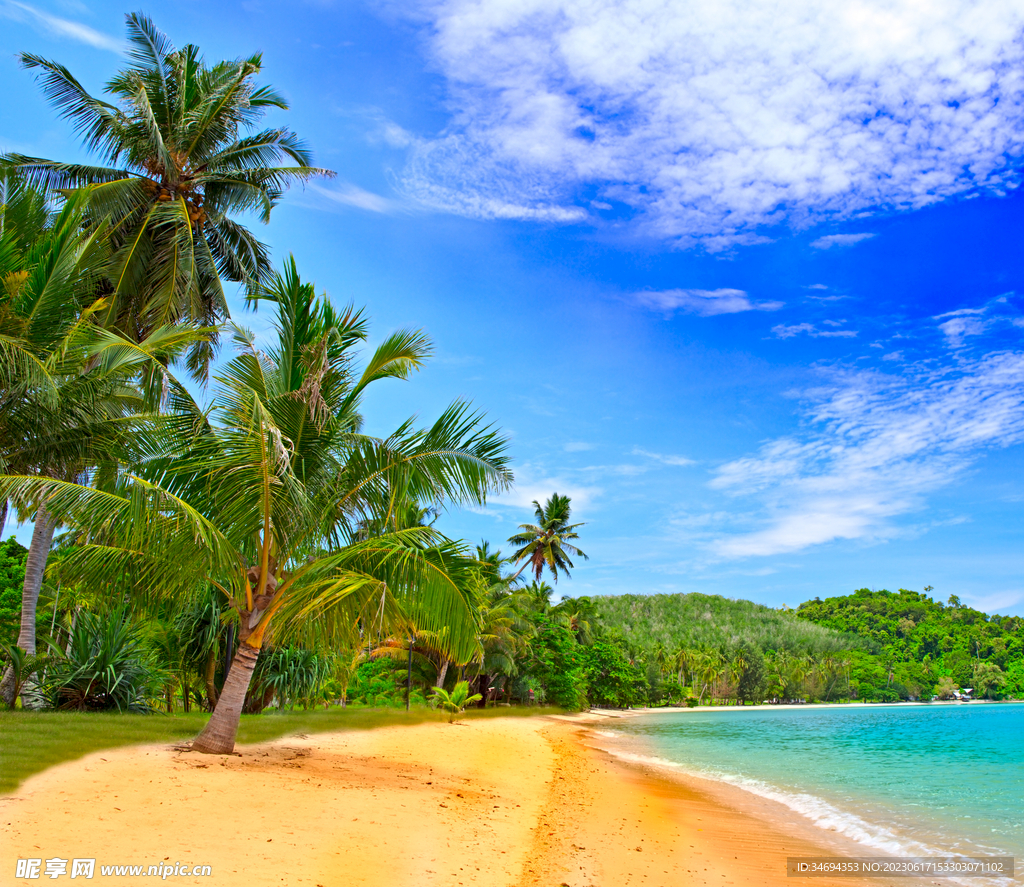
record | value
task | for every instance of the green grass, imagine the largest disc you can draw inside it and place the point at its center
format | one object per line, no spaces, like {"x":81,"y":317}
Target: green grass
{"x":30,"y":742}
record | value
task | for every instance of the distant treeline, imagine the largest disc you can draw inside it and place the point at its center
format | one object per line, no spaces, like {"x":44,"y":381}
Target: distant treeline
{"x":674,"y":621}
{"x":924,"y":645}
{"x":870,"y":646}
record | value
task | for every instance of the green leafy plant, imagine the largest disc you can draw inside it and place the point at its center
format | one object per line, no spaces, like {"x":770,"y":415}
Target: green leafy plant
{"x":22,"y":667}
{"x":455,"y":702}
{"x":106,"y":666}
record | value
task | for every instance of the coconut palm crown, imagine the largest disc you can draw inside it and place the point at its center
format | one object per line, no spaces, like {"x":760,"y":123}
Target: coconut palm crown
{"x":181,"y":157}
{"x":548,"y":542}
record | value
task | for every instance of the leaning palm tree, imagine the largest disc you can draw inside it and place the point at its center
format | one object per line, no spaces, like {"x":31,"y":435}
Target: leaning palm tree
{"x":548,"y":542}
{"x":180,"y":158}
{"x":262,"y":494}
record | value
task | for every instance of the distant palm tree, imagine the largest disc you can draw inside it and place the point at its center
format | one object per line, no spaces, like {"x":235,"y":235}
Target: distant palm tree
{"x":181,"y":161}
{"x":548,"y":542}
{"x":579,"y":614}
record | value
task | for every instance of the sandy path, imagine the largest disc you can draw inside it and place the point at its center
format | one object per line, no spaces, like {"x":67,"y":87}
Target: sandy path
{"x":510,"y":802}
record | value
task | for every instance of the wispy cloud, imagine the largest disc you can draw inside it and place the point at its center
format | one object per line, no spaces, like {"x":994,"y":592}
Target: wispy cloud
{"x":715,"y":120}
{"x":782,"y":331}
{"x":961,"y":324}
{"x":58,"y":27}
{"x":703,"y":302}
{"x":348,"y":194}
{"x":533,"y":484}
{"x":577,"y":446}
{"x":875,"y":446}
{"x":995,"y":602}
{"x":664,"y":458}
{"x":832,"y":240}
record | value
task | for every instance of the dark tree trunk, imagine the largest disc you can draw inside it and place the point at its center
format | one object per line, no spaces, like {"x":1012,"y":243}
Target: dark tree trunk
{"x":218,"y":737}
{"x":211,"y":686}
{"x":35,"y":566}
{"x":483,"y":687}
{"x":408,"y":678}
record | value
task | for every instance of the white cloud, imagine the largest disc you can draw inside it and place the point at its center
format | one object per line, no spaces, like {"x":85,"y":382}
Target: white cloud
{"x":532,"y":484}
{"x":995,"y":602}
{"x":703,"y":302}
{"x":961,"y":324}
{"x":782,"y":331}
{"x":577,"y":446}
{"x":832,"y":240}
{"x":714,"y":119}
{"x":875,"y":446}
{"x":352,"y":195}
{"x":664,"y":458}
{"x":58,"y":27}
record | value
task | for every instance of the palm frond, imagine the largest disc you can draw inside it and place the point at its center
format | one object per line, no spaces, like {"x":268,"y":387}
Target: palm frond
{"x":94,"y":119}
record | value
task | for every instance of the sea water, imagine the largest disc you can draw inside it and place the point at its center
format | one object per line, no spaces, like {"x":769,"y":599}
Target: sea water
{"x":916,"y":780}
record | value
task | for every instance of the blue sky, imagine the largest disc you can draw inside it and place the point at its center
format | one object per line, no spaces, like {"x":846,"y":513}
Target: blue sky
{"x":742,"y":279}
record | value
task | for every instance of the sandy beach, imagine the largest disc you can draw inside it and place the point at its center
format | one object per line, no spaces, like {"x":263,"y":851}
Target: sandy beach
{"x":495,"y":802}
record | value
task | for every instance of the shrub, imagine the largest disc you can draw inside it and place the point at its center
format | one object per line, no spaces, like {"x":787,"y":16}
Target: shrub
{"x":105,"y":666}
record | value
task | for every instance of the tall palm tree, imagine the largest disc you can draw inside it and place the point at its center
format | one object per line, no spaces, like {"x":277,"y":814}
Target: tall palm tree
{"x":548,"y":542}
{"x":180,"y":158}
{"x":67,"y":388}
{"x":261,"y":495}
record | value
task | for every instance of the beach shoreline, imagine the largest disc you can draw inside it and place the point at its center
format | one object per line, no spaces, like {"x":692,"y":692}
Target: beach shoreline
{"x":522,"y":802}
{"x":791,"y":706}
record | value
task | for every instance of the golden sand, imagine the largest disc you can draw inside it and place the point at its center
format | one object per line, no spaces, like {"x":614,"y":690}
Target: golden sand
{"x":496,"y":802}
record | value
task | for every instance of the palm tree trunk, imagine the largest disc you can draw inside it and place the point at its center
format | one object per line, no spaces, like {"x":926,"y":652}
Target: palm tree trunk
{"x":35,"y":566}
{"x":211,"y":686}
{"x":218,"y":737}
{"x":442,"y":671}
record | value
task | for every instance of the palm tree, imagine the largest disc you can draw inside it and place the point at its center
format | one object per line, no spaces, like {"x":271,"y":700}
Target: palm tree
{"x":547,"y":543}
{"x":67,"y":388}
{"x":262,"y":494}
{"x":579,"y":614}
{"x":503,"y":633}
{"x":180,"y":160}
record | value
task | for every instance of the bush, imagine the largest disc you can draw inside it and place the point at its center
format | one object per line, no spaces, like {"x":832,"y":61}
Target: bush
{"x":377,"y":682}
{"x":12,"y":577}
{"x":613,"y":680}
{"x":105,"y":666}
{"x":557,"y":662}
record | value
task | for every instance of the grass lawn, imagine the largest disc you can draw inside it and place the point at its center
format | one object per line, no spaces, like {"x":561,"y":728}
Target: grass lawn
{"x":32,"y":741}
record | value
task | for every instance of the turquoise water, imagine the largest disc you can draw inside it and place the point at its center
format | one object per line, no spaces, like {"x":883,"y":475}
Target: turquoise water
{"x":915,"y":780}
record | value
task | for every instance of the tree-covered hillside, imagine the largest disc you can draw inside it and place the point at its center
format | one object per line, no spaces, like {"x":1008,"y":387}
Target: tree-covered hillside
{"x":925,"y":645}
{"x":673,"y":621}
